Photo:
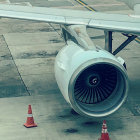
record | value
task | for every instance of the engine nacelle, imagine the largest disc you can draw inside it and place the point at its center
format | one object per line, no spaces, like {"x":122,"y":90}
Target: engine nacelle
{"x":93,"y":82}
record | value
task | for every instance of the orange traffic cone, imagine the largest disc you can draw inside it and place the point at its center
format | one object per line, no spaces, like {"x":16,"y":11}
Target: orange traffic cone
{"x":30,"y":120}
{"x":104,"y":135}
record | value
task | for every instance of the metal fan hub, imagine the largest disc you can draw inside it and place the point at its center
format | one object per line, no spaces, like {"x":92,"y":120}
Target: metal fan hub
{"x":93,"y":80}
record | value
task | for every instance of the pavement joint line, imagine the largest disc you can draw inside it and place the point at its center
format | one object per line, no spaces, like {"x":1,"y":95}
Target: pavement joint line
{"x":114,"y":4}
{"x":55,"y":29}
{"x":71,"y":2}
{"x":17,"y":68}
{"x":94,"y":5}
{"x":37,"y":74}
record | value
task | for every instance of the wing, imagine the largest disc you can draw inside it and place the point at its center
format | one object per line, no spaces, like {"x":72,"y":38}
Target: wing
{"x":111,"y":22}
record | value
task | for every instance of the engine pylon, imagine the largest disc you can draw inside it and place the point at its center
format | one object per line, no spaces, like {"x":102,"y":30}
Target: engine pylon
{"x":104,"y":135}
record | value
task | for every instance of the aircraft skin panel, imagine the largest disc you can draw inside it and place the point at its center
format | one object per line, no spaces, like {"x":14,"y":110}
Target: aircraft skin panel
{"x":113,"y":22}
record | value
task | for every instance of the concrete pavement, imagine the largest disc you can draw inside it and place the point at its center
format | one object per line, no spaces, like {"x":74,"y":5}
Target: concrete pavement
{"x":27,"y":54}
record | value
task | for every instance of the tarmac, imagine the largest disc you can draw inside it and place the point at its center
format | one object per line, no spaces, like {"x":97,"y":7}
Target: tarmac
{"x":27,"y":54}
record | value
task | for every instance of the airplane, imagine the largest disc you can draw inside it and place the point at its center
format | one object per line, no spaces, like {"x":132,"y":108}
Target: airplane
{"x":92,"y":80}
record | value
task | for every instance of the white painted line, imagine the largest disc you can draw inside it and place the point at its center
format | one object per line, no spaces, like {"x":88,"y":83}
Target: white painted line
{"x":30,"y":115}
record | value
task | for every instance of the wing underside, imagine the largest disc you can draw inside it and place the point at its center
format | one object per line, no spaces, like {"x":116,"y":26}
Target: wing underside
{"x":112,"y":22}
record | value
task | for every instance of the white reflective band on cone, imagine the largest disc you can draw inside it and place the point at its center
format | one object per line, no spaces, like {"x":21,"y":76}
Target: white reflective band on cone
{"x":104,"y":131}
{"x":30,"y":115}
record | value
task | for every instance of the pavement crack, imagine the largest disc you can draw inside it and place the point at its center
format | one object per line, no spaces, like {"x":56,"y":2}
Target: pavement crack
{"x":17,"y":68}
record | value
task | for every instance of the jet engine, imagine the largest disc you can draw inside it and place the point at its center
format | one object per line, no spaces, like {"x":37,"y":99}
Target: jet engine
{"x":93,"y":82}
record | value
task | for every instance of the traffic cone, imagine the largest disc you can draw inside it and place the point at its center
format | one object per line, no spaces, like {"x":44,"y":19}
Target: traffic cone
{"x":30,"y":120}
{"x":104,"y":135}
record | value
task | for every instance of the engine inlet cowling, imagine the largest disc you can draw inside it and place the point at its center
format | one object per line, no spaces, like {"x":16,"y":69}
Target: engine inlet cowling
{"x":98,"y":89}
{"x":93,"y":82}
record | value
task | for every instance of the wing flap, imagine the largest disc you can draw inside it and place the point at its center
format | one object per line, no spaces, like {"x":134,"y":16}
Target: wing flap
{"x":116,"y":26}
{"x":112,"y":22}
